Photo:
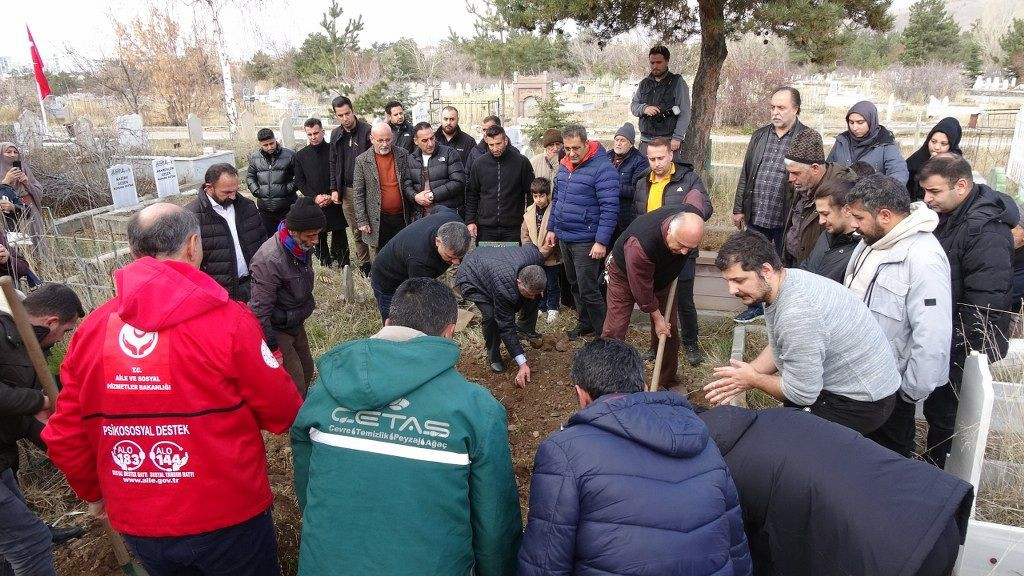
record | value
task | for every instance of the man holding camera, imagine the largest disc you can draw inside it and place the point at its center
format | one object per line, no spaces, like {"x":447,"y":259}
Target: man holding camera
{"x":662,"y":103}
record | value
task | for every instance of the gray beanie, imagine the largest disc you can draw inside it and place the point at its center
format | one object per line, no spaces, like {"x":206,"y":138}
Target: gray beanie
{"x":628,"y":132}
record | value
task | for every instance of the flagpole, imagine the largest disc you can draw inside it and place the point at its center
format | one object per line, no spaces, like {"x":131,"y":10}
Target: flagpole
{"x":42,"y":108}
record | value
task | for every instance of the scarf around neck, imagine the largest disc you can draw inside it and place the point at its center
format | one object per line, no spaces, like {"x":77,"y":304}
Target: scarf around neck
{"x":290,"y":244}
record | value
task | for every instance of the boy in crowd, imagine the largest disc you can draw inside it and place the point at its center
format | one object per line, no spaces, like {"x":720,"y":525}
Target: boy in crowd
{"x":535,"y":229}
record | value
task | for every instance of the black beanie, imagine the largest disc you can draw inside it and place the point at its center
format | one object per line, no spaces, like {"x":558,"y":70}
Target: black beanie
{"x":305,"y":215}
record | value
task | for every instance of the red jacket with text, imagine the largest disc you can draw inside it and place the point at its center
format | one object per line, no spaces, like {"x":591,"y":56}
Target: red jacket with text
{"x":166,"y":388}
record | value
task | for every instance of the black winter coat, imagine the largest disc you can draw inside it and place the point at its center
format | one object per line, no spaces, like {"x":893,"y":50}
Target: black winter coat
{"x":313,"y":177}
{"x":977,"y":240}
{"x":447,"y":179}
{"x":271,"y":179}
{"x":21,"y":395}
{"x":402,"y":137}
{"x":462,"y":143}
{"x":819,"y":498}
{"x":830,"y":255}
{"x":344,"y":150}
{"x":489,"y":275}
{"x":744,"y":200}
{"x":497,"y":189}
{"x":478,"y":150}
{"x":219,"y":258}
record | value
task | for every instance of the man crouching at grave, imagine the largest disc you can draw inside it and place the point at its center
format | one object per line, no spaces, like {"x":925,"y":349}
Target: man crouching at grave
{"x":282,"y":288}
{"x":825,"y":352}
{"x":500,"y":281}
{"x":632,"y":484}
{"x":423,"y":249}
{"x":402,"y":466}
{"x":648,"y":255}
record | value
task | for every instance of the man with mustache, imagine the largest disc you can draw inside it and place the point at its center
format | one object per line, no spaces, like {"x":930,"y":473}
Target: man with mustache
{"x":231,"y":230}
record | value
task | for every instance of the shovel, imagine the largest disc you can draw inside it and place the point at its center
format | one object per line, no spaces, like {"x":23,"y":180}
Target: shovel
{"x":35,"y":353}
{"x":661,"y":339}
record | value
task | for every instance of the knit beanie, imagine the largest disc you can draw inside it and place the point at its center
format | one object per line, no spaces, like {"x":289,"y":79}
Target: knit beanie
{"x":628,"y":132}
{"x":305,"y":215}
{"x":806,"y":148}
{"x":552,"y":136}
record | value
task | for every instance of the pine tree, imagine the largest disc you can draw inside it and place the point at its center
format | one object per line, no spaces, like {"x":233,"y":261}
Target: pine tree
{"x":931,"y":34}
{"x":549,"y":115}
{"x":1012,"y":43}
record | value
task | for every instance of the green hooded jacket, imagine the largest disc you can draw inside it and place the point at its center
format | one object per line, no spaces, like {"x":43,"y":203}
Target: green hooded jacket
{"x":402,"y":466}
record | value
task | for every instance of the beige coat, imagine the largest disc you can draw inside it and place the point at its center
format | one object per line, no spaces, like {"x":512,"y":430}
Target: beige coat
{"x":530,"y":234}
{"x":542,"y":168}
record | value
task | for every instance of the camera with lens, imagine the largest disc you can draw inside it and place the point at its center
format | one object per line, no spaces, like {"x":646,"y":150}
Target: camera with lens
{"x":670,"y":113}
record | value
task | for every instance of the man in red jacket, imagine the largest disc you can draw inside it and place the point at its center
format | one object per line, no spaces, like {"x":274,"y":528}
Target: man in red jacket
{"x":166,"y":388}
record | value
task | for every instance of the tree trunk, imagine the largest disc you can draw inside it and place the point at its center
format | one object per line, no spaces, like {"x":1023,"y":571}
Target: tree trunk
{"x":713,"y":51}
{"x":230,"y":109}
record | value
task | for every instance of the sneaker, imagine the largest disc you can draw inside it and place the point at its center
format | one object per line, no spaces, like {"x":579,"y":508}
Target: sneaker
{"x":577,"y":332}
{"x":693,"y":355}
{"x":749,"y":315}
{"x":552,"y":316}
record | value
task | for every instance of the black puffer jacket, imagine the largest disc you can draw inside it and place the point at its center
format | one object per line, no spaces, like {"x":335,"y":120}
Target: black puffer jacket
{"x":282,"y":290}
{"x":271,"y":179}
{"x":219,"y":258}
{"x":21,"y":396}
{"x":447,"y":178}
{"x":830,"y":255}
{"x":497,"y":189}
{"x":462,"y":143}
{"x":977,"y":240}
{"x":819,"y":498}
{"x":489,"y":275}
{"x":402,"y":137}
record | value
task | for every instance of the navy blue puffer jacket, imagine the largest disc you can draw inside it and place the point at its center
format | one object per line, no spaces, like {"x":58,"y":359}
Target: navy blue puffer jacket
{"x":586,"y":203}
{"x":633,"y":485}
{"x":630,"y":170}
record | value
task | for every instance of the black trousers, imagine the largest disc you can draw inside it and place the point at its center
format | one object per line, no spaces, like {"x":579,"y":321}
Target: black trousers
{"x":390,"y":226}
{"x":864,"y":417}
{"x":489,"y":325}
{"x":940,"y":411}
{"x":684,"y":302}
{"x":897,"y":434}
{"x":498,"y":234}
{"x":272,"y":219}
{"x":336,"y":250}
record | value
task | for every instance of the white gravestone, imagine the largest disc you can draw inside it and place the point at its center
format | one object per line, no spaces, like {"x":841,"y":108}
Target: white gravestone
{"x":420,"y":112}
{"x":246,"y":126}
{"x":166,"y":177}
{"x":195,"y":130}
{"x":122,"y":186}
{"x":288,"y":132}
{"x":130,"y":133}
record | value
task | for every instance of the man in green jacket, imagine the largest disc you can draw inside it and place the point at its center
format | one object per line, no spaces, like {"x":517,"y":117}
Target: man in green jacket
{"x":401,"y":464}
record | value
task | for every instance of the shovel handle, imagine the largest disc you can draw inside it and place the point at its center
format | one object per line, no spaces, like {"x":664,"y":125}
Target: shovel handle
{"x":661,"y":339}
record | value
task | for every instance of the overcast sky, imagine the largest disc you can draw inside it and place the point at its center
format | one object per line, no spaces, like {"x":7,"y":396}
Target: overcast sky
{"x":83,"y":25}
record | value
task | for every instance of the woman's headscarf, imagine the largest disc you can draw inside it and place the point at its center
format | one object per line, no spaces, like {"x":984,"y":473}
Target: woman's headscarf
{"x":868,"y":111}
{"x":34,"y":189}
{"x":948,"y":126}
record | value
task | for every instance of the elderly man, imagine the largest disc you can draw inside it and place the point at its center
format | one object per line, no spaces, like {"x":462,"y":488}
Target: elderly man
{"x":974,"y":231}
{"x":630,"y":164}
{"x":901,"y":272}
{"x":545,"y":162}
{"x":231,"y":229}
{"x":167,"y":387}
{"x":438,"y":178}
{"x":825,"y":353}
{"x":662,"y":103}
{"x":313,"y":179}
{"x":424,"y":249}
{"x":282,"y":292}
{"x":350,"y":139}
{"x":26,"y":543}
{"x":496,"y":191}
{"x":645,"y":260}
{"x":380,"y":186}
{"x":271,"y":179}
{"x":450,"y":134}
{"x":392,"y":421}
{"x":500,"y":281}
{"x":583,"y":219}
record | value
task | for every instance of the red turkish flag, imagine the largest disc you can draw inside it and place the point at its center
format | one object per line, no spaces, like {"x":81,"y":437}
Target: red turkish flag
{"x":37,"y":64}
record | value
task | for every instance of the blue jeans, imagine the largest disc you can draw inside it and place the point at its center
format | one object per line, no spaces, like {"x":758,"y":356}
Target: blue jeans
{"x":383,"y":301}
{"x":552,"y":295}
{"x":246,"y":549}
{"x":25,"y":546}
{"x":775,"y":235}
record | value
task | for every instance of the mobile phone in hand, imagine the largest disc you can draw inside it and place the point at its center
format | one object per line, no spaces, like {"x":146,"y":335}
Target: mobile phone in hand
{"x":17,"y":164}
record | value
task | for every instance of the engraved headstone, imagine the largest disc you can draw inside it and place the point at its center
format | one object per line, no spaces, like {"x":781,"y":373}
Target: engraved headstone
{"x":30,"y":130}
{"x":246,"y":126}
{"x":130,"y":133}
{"x":122,"y":186}
{"x":420,"y":112}
{"x":288,"y":132}
{"x":166,"y":177}
{"x":83,"y":133}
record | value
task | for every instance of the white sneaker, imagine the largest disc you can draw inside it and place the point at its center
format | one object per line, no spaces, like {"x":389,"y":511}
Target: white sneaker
{"x":552,"y":316}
